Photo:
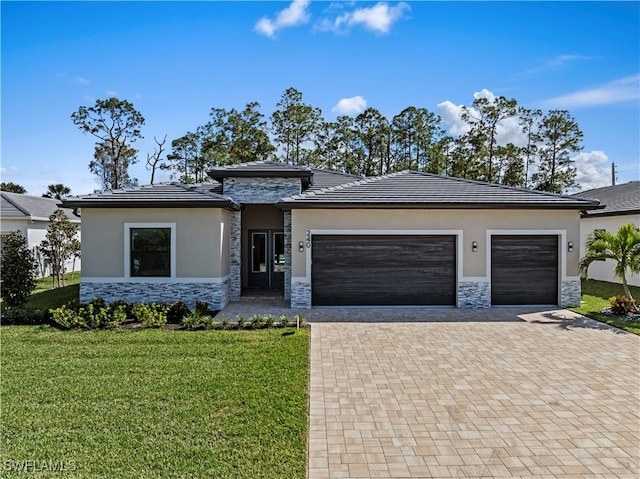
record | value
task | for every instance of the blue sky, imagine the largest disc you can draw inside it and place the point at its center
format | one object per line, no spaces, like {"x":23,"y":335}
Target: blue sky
{"x":176,"y":60}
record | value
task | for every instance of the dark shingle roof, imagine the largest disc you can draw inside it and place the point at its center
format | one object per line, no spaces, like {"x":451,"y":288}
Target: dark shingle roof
{"x":162,"y":195}
{"x":15,"y":205}
{"x":260,"y":169}
{"x":326,"y":179}
{"x":411,"y":189}
{"x":618,"y":200}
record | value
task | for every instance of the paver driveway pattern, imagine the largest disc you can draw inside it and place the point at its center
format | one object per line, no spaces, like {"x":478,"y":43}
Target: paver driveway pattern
{"x":538,"y":396}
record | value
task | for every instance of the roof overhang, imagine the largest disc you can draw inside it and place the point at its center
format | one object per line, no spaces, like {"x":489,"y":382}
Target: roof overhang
{"x":139,"y":203}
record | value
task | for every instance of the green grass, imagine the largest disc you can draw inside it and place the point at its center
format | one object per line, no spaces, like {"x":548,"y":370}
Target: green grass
{"x":595,"y":296}
{"x":156,"y":403}
{"x":44,"y":297}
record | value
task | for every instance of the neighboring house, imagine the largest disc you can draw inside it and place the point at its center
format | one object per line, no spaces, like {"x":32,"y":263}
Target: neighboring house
{"x":323,"y":238}
{"x":30,"y":215}
{"x":622,"y":205}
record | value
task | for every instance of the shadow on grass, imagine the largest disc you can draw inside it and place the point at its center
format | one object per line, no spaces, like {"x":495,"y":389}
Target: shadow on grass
{"x":53,"y":298}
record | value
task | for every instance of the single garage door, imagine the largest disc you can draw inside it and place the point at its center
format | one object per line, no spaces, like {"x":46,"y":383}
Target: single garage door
{"x":524,"y":270}
{"x":358,"y":270}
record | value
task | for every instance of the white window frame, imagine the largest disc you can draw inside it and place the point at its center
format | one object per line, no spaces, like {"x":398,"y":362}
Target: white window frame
{"x":127,"y":252}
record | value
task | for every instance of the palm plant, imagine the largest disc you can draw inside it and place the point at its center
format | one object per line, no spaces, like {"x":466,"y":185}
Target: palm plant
{"x":623,"y":247}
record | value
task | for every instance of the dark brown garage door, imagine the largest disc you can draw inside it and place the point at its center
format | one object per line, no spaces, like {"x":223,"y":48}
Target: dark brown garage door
{"x":356,"y":270}
{"x":524,"y":270}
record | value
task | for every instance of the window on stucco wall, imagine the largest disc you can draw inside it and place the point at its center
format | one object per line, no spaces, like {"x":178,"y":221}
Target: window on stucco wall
{"x":150,"y":252}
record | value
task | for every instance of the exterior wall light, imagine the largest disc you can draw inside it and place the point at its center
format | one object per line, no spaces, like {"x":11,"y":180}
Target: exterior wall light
{"x":570,"y":246}
{"x":301,"y":246}
{"x":474,"y":246}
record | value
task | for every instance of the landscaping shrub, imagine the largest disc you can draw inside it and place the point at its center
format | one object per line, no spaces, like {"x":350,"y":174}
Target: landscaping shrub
{"x":192,"y":321}
{"x":67,"y":317}
{"x":256,"y":321}
{"x":150,"y":315}
{"x":19,"y":269}
{"x":269,"y":320}
{"x":284,"y":320}
{"x":202,"y":307}
{"x":177,"y":311}
{"x":622,"y":305}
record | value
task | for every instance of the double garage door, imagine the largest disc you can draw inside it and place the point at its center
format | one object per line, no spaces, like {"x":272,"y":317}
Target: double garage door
{"x":420,"y":270}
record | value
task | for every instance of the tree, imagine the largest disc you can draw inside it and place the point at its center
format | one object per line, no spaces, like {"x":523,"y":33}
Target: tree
{"x":371,"y":129}
{"x":293,"y":125}
{"x":116,"y":124}
{"x":485,"y":117}
{"x":236,"y":136}
{"x":529,"y":122}
{"x":415,"y":134}
{"x":18,"y":269}
{"x":12,"y":188}
{"x":61,"y":244}
{"x":154,"y":160}
{"x":559,"y":136}
{"x":189,"y":158}
{"x":623,"y":247}
{"x":57,"y":191}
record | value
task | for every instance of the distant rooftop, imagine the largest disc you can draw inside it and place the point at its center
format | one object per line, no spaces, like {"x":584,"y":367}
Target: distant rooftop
{"x":21,"y":206}
{"x":618,"y":199}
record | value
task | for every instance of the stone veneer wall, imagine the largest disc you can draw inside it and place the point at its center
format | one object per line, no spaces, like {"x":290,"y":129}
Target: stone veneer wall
{"x":570,"y":292}
{"x":216,"y":294}
{"x":260,"y":190}
{"x":235,"y":260}
{"x":300,"y":294}
{"x":287,"y":255}
{"x":474,"y":294}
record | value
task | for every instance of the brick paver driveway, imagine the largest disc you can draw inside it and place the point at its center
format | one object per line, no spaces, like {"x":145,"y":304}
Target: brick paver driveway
{"x":536,"y":396}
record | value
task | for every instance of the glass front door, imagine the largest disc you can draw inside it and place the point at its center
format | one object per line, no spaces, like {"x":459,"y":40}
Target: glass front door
{"x":266,"y":259}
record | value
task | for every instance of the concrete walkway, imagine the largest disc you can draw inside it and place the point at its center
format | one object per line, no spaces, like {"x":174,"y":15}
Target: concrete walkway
{"x":528,"y":394}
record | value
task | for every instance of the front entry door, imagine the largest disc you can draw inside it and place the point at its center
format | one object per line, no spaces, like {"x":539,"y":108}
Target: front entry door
{"x":266,"y":259}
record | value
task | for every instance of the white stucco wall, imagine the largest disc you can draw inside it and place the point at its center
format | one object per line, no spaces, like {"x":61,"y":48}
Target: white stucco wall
{"x":603,"y":270}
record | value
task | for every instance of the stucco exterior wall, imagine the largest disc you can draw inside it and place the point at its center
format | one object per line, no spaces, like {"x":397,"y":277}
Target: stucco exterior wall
{"x":473,"y":225}
{"x":603,"y":270}
{"x":473,"y":268}
{"x":199,"y":240}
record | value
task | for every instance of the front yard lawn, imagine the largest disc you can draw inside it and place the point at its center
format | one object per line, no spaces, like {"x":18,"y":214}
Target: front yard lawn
{"x":595,"y":297}
{"x":156,"y":403}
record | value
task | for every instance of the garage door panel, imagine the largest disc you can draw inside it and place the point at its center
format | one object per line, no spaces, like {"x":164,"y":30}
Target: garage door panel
{"x":383,"y":270}
{"x":524,"y":270}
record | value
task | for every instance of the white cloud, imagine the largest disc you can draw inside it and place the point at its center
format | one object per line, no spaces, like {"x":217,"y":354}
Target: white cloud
{"x":350,"y":106}
{"x":295,"y":14}
{"x":590,"y":171}
{"x":625,"y":89}
{"x":379,"y":18}
{"x":112,"y":93}
{"x":556,"y":62}
{"x":9,"y":170}
{"x":81,"y":81}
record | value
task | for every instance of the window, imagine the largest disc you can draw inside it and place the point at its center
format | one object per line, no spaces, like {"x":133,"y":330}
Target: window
{"x":150,"y":251}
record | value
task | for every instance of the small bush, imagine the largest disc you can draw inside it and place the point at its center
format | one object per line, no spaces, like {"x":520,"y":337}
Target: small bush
{"x":269,"y":320}
{"x":284,"y":320}
{"x":256,"y":321}
{"x":207,"y":322}
{"x":621,"y":305}
{"x":67,"y":317}
{"x":177,"y":311}
{"x":202,"y":307}
{"x":240,"y":320}
{"x":117,"y":315}
{"x":19,"y":269}
{"x":192,"y":321}
{"x":224,"y":322}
